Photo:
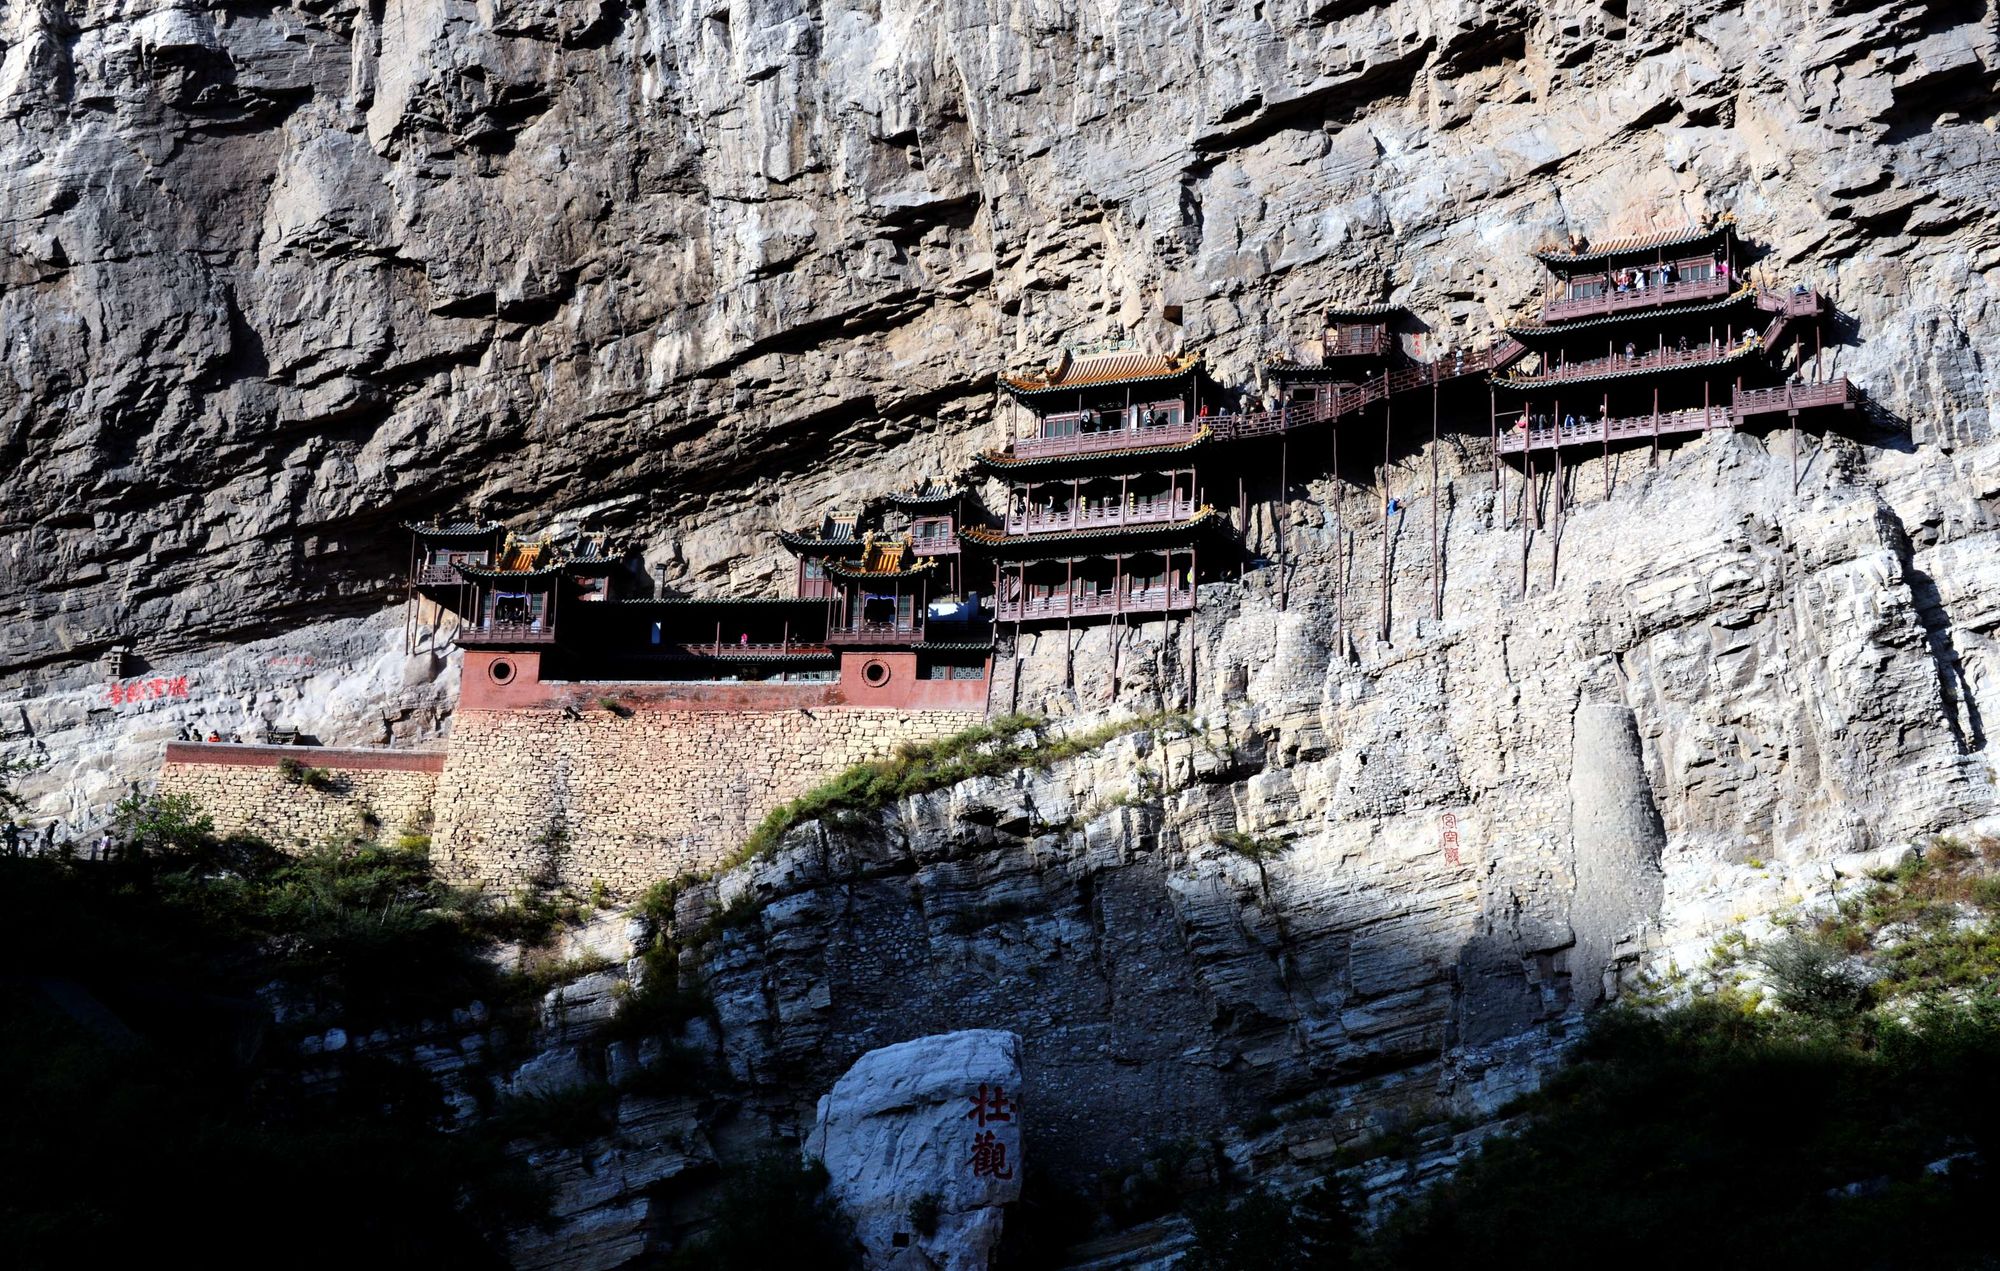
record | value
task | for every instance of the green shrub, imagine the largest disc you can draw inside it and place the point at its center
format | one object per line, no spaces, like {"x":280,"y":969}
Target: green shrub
{"x":1010,"y":743}
{"x":1263,"y":1231}
{"x":925,"y":1211}
{"x":163,"y":825}
{"x":567,"y":1118}
{"x":1812,"y":977}
{"x":772,"y":1213}
{"x":299,"y":774}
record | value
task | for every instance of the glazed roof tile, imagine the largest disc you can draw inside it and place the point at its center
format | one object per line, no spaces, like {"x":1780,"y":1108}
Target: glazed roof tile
{"x":1637,"y":243}
{"x":1094,"y":370}
{"x":1357,"y":312}
{"x":931,"y":491}
{"x":1529,"y":330}
{"x":1000,"y":543}
{"x":453,"y":529}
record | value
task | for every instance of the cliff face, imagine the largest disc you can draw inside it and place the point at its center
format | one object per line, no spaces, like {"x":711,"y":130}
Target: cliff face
{"x":276,"y":278}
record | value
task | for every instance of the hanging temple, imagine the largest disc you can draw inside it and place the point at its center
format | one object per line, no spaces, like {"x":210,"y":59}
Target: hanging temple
{"x":1107,"y":516}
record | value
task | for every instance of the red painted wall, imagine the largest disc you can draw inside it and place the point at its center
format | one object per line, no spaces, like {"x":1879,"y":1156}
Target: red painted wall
{"x":898,"y":689}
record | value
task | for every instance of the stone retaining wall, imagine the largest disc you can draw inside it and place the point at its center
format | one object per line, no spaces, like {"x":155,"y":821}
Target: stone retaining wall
{"x":539,"y":795}
{"x":246,"y":790}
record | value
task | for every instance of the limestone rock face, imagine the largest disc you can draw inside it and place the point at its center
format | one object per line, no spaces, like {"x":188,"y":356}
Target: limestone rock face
{"x":922,"y":1141}
{"x":273,"y":279}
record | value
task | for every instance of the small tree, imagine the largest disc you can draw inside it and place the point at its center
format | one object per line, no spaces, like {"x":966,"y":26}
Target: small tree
{"x":162,"y":824}
{"x":1812,"y":978}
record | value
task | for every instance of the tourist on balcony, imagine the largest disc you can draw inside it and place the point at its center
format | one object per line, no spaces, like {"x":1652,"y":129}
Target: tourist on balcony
{"x":1569,"y":423}
{"x":1631,"y":350}
{"x":743,"y":640}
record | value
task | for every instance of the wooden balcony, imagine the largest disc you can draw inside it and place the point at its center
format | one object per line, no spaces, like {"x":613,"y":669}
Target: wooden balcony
{"x":1347,"y":401}
{"x":1146,"y":512}
{"x":1704,"y":354}
{"x":1791,"y":398}
{"x":1151,"y":600}
{"x":1603,"y":431}
{"x":508,"y":633}
{"x":1357,"y":341}
{"x":1614,"y":301}
{"x":1791,"y":304}
{"x":877,"y":633}
{"x":437,"y":576}
{"x":943,"y":545}
{"x":1787,"y":400}
{"x":724,"y":650}
{"x":1108,"y":442}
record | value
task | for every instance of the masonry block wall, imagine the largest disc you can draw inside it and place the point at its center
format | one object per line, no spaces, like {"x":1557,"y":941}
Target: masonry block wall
{"x":575,"y":798}
{"x":246,"y":791}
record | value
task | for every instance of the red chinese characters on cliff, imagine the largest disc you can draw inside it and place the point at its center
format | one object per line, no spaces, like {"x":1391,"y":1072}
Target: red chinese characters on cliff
{"x":989,"y":1153}
{"x":1449,"y":838}
{"x":123,"y":693}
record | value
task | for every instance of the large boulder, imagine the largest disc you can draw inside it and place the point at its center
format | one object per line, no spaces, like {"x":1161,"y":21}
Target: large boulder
{"x":922,"y":1141}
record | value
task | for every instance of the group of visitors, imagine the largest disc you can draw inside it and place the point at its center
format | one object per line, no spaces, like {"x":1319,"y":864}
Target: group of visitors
{"x":1646,"y":276}
{"x":20,"y":840}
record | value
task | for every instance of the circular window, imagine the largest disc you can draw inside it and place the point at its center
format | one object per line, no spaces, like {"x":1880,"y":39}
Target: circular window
{"x":876,"y":673}
{"x":500,"y":670}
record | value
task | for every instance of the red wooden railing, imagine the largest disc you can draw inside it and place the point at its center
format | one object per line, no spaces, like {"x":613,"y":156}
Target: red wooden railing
{"x":736,"y":648}
{"x":1346,"y":401}
{"x":1704,"y":354}
{"x":884,"y":632}
{"x":1615,"y":301}
{"x":513,"y":632}
{"x":1756,"y":401}
{"x":1107,"y":442}
{"x":1144,"y":512}
{"x":1791,"y":397}
{"x":1361,"y":341}
{"x":1068,"y":605}
{"x":1792,"y":304}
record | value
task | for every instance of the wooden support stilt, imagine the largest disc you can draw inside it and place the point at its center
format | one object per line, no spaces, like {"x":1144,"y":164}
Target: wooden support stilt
{"x":1556,"y":531}
{"x":1527,"y":494}
{"x":1284,"y":510}
{"x":1604,"y":419}
{"x":1243,"y":527}
{"x":1388,"y":427}
{"x":1795,"y":450}
{"x":1339,"y":541}
{"x":1194,"y":607}
{"x":1655,"y":461}
{"x":1437,"y":575}
{"x":1493,"y":433}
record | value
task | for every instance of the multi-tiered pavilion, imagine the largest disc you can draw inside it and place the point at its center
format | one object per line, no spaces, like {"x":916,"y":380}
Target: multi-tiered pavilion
{"x":1661,"y":335}
{"x":533,"y":614}
{"x":1103,"y":509}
